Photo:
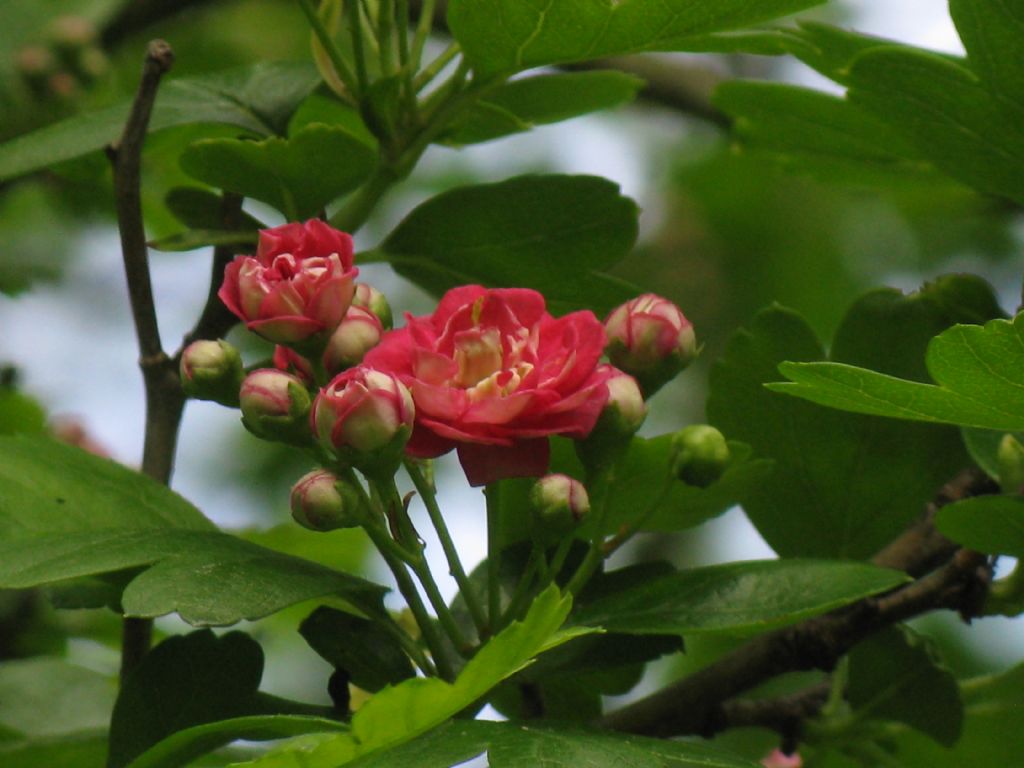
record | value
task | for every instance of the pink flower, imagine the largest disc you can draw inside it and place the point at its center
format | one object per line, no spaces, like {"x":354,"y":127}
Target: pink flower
{"x":779,"y":759}
{"x":651,"y":339}
{"x":493,"y":374}
{"x":298,"y":285}
{"x":357,"y":334}
{"x":363,"y":412}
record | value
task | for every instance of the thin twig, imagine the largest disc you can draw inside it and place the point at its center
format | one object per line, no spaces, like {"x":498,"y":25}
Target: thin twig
{"x":164,"y":400}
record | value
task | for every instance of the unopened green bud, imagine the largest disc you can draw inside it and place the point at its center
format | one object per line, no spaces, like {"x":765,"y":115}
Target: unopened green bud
{"x":322,"y":502}
{"x":700,"y":455}
{"x":275,"y":406}
{"x":559,"y":503}
{"x":1010,"y":460}
{"x":212,"y":370}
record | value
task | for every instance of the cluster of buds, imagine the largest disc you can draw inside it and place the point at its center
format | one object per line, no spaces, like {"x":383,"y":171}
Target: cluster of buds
{"x":66,"y":61}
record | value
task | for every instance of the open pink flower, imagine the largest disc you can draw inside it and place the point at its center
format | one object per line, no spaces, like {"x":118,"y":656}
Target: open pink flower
{"x":493,"y":374}
{"x":298,"y":285}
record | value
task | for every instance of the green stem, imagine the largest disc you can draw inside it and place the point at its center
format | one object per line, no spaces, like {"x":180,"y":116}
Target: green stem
{"x":432,"y":70}
{"x":360,"y":205}
{"x":423,"y":28}
{"x":385,"y":35}
{"x":337,"y":60}
{"x":355,"y":25}
{"x":426,"y":492}
{"x":522,"y":591}
{"x":595,"y":554}
{"x":387,"y":548}
{"x":491,"y":493}
{"x":408,"y":92}
{"x":560,"y":554}
{"x":389,"y":493}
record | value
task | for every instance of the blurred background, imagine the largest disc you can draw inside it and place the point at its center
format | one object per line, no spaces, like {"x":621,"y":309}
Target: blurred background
{"x":723,"y":234}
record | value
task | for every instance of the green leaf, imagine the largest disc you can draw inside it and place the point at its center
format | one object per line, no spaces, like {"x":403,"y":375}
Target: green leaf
{"x":370,"y":655}
{"x":555,"y":234}
{"x":400,"y":713}
{"x":504,"y":36}
{"x":992,"y":31}
{"x":201,"y":238}
{"x":739,"y":598}
{"x":990,"y":524}
{"x":50,"y":487}
{"x":20,"y":414}
{"x":824,"y":134}
{"x":79,"y":750}
{"x":199,"y":208}
{"x":855,"y":481}
{"x":196,"y":680}
{"x":515,"y":745}
{"x":950,"y":117}
{"x":896,"y":675}
{"x":977,"y":370}
{"x":258,"y":99}
{"x":207,"y":577}
{"x":48,"y":697}
{"x":298,"y":175}
{"x":542,"y":99}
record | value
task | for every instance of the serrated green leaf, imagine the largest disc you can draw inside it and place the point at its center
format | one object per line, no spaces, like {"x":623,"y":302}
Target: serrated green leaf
{"x":192,"y":694}
{"x":977,"y":370}
{"x":505,"y":36}
{"x":855,"y":481}
{"x":992,"y":31}
{"x":20,"y":414}
{"x":50,"y":487}
{"x":207,"y":577}
{"x":199,"y":208}
{"x":942,"y":108}
{"x":896,"y":675}
{"x":738,"y":598}
{"x":192,"y":239}
{"x":258,"y":99}
{"x":298,"y":175}
{"x":555,"y":234}
{"x":990,"y":524}
{"x":515,"y":745}
{"x":403,"y":712}
{"x":184,"y":746}
{"x":542,"y":99}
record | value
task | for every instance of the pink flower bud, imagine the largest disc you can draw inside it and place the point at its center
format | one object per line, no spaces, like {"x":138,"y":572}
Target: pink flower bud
{"x":370,"y":298}
{"x":779,"y":759}
{"x":559,"y":503}
{"x":700,"y":454}
{"x":322,"y":502}
{"x":212,"y":370}
{"x":623,"y":414}
{"x":625,"y":402}
{"x":298,"y":286}
{"x":275,"y":406}
{"x":365,"y":417}
{"x":650,"y":338}
{"x":358,"y":333}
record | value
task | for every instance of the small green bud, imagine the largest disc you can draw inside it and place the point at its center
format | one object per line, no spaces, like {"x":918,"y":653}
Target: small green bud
{"x":369,"y":298}
{"x":559,"y":503}
{"x":275,"y":406}
{"x":322,"y":502}
{"x":1010,"y":460}
{"x":700,"y":455}
{"x":212,"y":370}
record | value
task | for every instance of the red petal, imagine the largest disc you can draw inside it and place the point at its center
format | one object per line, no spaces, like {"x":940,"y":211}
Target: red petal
{"x":485,"y":464}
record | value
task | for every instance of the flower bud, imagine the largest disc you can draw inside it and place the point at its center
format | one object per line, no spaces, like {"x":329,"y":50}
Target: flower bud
{"x":212,"y":370}
{"x":559,"y":503}
{"x":358,"y":333}
{"x":1010,"y":461}
{"x":275,"y":406}
{"x":699,"y":455}
{"x":364,"y":417}
{"x":779,"y":759}
{"x":322,"y":502}
{"x":624,"y":412}
{"x":370,"y":298}
{"x":651,"y":339}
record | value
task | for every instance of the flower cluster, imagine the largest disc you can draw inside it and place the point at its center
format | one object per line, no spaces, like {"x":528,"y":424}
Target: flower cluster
{"x":490,"y":373}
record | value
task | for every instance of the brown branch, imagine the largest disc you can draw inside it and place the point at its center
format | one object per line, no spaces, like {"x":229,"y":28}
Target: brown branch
{"x":699,"y":704}
{"x":164,"y":399}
